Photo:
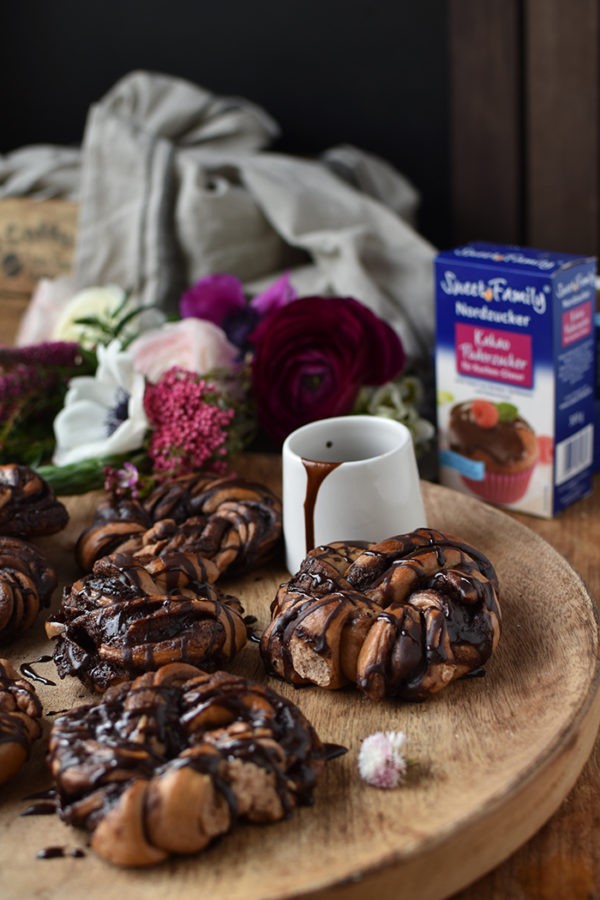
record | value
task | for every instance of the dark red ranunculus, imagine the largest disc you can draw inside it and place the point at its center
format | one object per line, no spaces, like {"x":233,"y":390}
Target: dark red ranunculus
{"x":312,"y":356}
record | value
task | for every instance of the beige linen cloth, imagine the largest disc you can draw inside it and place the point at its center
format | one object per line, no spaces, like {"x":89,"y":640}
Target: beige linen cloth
{"x":175,"y":182}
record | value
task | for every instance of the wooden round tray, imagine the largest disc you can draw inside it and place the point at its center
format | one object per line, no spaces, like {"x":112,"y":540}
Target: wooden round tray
{"x":494,"y":755}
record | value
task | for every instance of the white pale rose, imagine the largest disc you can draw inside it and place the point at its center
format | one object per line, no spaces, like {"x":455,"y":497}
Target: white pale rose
{"x":102,"y":303}
{"x":103,"y":414}
{"x":194,"y":344}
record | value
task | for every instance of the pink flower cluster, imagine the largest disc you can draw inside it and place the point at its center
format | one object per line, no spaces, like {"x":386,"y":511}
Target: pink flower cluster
{"x":190,"y":428}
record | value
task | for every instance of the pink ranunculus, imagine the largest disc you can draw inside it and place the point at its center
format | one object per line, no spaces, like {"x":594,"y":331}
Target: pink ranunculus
{"x":312,"y":356}
{"x":193,"y":344}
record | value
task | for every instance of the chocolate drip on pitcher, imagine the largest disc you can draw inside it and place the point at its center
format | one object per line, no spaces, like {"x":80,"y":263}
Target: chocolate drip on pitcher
{"x":316,"y":472}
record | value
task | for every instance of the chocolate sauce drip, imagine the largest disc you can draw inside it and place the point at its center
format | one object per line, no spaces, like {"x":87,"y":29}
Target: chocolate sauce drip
{"x":316,"y":472}
{"x":332,"y":751}
{"x":27,"y":669}
{"x":60,"y":853}
{"x":481,"y":672}
{"x":51,"y":853}
{"x":45,"y":794}
{"x":253,"y":635}
{"x":42,"y":808}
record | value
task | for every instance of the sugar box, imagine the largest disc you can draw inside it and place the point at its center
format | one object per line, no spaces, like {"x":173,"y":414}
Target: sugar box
{"x":515,"y":375}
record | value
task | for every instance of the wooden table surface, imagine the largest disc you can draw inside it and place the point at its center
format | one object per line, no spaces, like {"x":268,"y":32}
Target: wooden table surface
{"x":562,"y":861}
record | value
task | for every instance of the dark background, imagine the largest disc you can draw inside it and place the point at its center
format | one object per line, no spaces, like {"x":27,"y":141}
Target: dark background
{"x":373,"y":74}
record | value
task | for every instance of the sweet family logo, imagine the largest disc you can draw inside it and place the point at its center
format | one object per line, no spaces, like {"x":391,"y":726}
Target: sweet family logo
{"x":572,"y":289}
{"x":517,"y":255}
{"x":495,"y":290}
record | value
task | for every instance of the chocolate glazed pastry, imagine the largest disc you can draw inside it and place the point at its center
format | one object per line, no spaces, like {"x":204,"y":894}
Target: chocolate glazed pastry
{"x":26,"y":583}
{"x":20,"y":715}
{"x":401,"y":618}
{"x":234,"y":522}
{"x":28,"y":505}
{"x":130,"y":616}
{"x":169,"y":761}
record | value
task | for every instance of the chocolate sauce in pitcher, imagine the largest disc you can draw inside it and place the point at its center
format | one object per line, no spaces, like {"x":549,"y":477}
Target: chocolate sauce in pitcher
{"x":316,"y":473}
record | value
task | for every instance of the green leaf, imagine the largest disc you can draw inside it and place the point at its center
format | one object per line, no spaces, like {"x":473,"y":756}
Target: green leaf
{"x":444,"y":397}
{"x":122,"y":304}
{"x":507,"y":412}
{"x":94,"y":321}
{"x":87,"y":475}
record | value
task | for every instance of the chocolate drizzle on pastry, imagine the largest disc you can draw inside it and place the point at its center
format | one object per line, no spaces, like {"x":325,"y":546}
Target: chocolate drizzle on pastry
{"x":166,"y":763}
{"x":401,"y":618}
{"x":150,"y":597}
{"x":20,"y":717}
{"x":231,"y":521}
{"x":126,"y":617}
{"x":28,"y":505}
{"x":26,"y":584}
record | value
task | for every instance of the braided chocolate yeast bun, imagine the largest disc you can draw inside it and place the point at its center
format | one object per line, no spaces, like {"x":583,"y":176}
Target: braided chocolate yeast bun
{"x":26,"y":583}
{"x":401,"y":618}
{"x":169,"y":761}
{"x":20,"y":715}
{"x":28,"y":505}
{"x":234,"y":522}
{"x":133,"y":615}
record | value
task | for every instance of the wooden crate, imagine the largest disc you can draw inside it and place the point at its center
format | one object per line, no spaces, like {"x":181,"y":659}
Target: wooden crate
{"x":37,"y":240}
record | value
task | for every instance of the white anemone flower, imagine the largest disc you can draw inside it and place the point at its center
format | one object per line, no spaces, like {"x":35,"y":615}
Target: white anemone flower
{"x":103,"y":414}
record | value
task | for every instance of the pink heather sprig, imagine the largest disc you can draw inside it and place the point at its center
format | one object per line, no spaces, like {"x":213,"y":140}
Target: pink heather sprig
{"x":190,"y":427}
{"x":46,"y":353}
{"x":18,"y":385}
{"x":33,"y":382}
{"x":33,"y":372}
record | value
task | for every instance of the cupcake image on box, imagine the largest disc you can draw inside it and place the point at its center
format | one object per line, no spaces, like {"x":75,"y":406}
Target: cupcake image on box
{"x":495,"y":449}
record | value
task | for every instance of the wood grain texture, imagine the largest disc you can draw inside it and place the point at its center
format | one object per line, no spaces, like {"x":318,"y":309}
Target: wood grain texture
{"x":37,"y":240}
{"x":12,"y":309}
{"x":563,"y":859}
{"x":494,"y":755}
{"x":486,"y":120}
{"x":525,"y":133}
{"x":562,"y":64}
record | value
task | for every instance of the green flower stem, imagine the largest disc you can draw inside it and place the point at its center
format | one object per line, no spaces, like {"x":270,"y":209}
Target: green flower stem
{"x":87,"y":475}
